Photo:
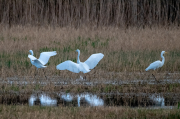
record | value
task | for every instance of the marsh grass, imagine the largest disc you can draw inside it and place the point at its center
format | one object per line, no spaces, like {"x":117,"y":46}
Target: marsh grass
{"x":130,"y":50}
{"x":85,"y":112}
{"x":98,"y":89}
{"x":127,"y":52}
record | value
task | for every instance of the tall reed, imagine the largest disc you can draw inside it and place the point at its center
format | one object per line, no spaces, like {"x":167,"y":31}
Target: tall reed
{"x":121,"y":13}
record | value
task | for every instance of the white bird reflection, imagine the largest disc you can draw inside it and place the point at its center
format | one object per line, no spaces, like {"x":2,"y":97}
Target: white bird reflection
{"x":92,"y":100}
{"x":158,"y":100}
{"x":47,"y":101}
{"x":32,"y":99}
{"x":67,"y":97}
{"x":44,"y":100}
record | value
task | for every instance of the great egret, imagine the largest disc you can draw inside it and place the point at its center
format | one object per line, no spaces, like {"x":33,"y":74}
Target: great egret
{"x":43,"y":59}
{"x":157,"y":64}
{"x":84,"y":67}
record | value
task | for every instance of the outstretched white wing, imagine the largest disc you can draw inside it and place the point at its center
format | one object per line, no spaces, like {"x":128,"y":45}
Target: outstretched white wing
{"x":93,"y":60}
{"x":44,"y":56}
{"x":69,"y":65}
{"x":34,"y":59}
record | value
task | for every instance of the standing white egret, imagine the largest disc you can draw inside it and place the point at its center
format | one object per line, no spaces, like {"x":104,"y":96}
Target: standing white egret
{"x":43,"y":59}
{"x":84,"y":67}
{"x":157,"y":64}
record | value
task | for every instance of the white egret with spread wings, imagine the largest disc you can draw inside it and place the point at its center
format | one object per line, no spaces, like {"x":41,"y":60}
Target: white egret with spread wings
{"x":84,"y":67}
{"x":43,"y":59}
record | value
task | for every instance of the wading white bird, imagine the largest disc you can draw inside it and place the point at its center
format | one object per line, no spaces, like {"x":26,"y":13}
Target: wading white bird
{"x":84,"y":67}
{"x":43,"y":59}
{"x":157,"y":64}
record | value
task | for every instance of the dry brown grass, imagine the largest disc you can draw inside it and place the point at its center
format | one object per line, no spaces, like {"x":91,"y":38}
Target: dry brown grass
{"x":119,"y":39}
{"x":127,"y":49}
{"x":130,"y":49}
{"x":84,"y":112}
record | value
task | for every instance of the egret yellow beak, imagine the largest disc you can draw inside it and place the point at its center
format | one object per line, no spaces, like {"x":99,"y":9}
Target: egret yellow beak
{"x":166,"y":53}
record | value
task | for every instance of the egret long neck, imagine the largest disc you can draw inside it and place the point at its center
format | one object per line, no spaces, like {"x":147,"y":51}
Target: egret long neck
{"x":32,"y":55}
{"x":163,"y":59}
{"x":78,"y":60}
{"x":31,"y":52}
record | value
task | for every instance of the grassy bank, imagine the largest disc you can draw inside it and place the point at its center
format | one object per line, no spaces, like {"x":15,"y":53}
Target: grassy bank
{"x":85,"y":112}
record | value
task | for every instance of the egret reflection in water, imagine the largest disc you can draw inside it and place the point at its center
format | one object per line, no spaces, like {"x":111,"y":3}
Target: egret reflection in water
{"x":32,"y":100}
{"x":44,"y":100}
{"x":67,"y":97}
{"x":84,"y":99}
{"x":158,"y":100}
{"x":47,"y":101}
{"x":92,"y":100}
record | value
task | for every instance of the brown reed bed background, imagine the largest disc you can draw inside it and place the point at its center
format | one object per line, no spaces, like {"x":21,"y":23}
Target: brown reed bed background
{"x":121,"y":13}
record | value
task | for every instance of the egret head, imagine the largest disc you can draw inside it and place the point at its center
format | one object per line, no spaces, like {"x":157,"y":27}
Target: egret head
{"x":30,"y":51}
{"x":163,"y":52}
{"x":78,"y":51}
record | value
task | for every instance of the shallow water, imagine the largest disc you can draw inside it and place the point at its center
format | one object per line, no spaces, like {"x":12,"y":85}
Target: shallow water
{"x":88,"y":99}
{"x":134,"y":100}
{"x":149,"y":100}
{"x":45,"y":100}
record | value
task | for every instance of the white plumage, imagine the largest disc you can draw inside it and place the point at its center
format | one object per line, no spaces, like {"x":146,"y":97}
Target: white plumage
{"x":157,"y":64}
{"x":43,"y":59}
{"x":84,"y":67}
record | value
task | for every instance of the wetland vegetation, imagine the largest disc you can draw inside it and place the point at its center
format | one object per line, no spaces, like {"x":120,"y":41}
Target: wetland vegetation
{"x":119,"y":78}
{"x":130,"y":33}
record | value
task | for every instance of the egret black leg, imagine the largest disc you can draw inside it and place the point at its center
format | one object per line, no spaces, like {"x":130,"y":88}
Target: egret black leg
{"x":45,"y":75}
{"x":154,"y":77}
{"x":35,"y":74}
{"x":84,"y":76}
{"x":35,"y":77}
